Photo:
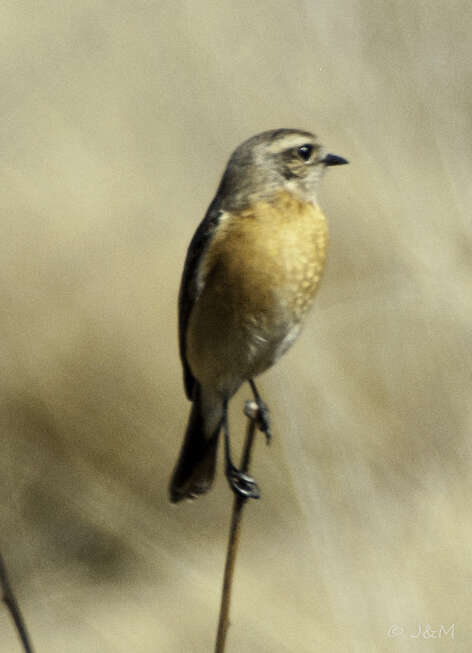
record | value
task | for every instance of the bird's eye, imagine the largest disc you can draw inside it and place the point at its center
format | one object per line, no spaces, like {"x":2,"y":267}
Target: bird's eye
{"x":305,"y":152}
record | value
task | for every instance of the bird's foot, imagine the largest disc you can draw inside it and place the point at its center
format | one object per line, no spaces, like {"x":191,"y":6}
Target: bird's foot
{"x":242,"y":484}
{"x":261,"y":415}
{"x":263,"y":420}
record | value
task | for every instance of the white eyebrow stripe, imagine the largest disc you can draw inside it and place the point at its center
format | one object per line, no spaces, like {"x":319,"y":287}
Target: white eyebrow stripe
{"x":292,"y":140}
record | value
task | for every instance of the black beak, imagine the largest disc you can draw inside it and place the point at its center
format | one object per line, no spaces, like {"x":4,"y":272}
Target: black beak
{"x":334,"y":160}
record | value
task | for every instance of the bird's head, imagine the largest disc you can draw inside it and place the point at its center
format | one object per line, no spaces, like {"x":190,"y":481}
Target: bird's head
{"x":282,"y":159}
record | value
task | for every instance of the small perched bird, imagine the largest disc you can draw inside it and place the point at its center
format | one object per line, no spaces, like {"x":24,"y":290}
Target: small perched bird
{"x":251,"y":272}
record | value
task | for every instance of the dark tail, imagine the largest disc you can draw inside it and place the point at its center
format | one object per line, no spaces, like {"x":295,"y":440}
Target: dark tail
{"x":195,"y":469}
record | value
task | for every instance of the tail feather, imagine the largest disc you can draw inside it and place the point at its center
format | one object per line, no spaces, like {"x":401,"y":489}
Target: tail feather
{"x":195,"y":469}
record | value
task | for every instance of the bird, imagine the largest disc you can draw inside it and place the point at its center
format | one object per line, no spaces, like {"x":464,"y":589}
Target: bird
{"x":251,"y":271}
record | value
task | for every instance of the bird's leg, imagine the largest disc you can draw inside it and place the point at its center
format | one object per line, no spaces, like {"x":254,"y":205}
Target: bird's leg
{"x":263,"y":419}
{"x":241,"y":484}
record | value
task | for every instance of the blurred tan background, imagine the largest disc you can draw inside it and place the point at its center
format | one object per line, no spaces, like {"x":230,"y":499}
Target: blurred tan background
{"x":116,"y":122}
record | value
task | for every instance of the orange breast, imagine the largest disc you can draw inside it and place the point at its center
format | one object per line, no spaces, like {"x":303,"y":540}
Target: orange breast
{"x":258,"y":279}
{"x":269,"y":259}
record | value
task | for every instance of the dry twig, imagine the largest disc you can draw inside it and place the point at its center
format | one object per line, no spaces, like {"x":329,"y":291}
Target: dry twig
{"x":251,"y":411}
{"x":14,"y":609}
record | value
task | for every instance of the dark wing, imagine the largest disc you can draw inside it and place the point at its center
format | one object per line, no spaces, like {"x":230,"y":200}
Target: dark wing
{"x":188,"y":286}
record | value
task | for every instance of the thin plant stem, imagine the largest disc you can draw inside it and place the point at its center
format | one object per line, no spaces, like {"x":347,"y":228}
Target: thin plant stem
{"x":14,"y":609}
{"x":239,"y":502}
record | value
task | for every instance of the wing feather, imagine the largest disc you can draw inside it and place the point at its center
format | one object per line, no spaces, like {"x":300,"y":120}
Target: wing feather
{"x":189,"y":285}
